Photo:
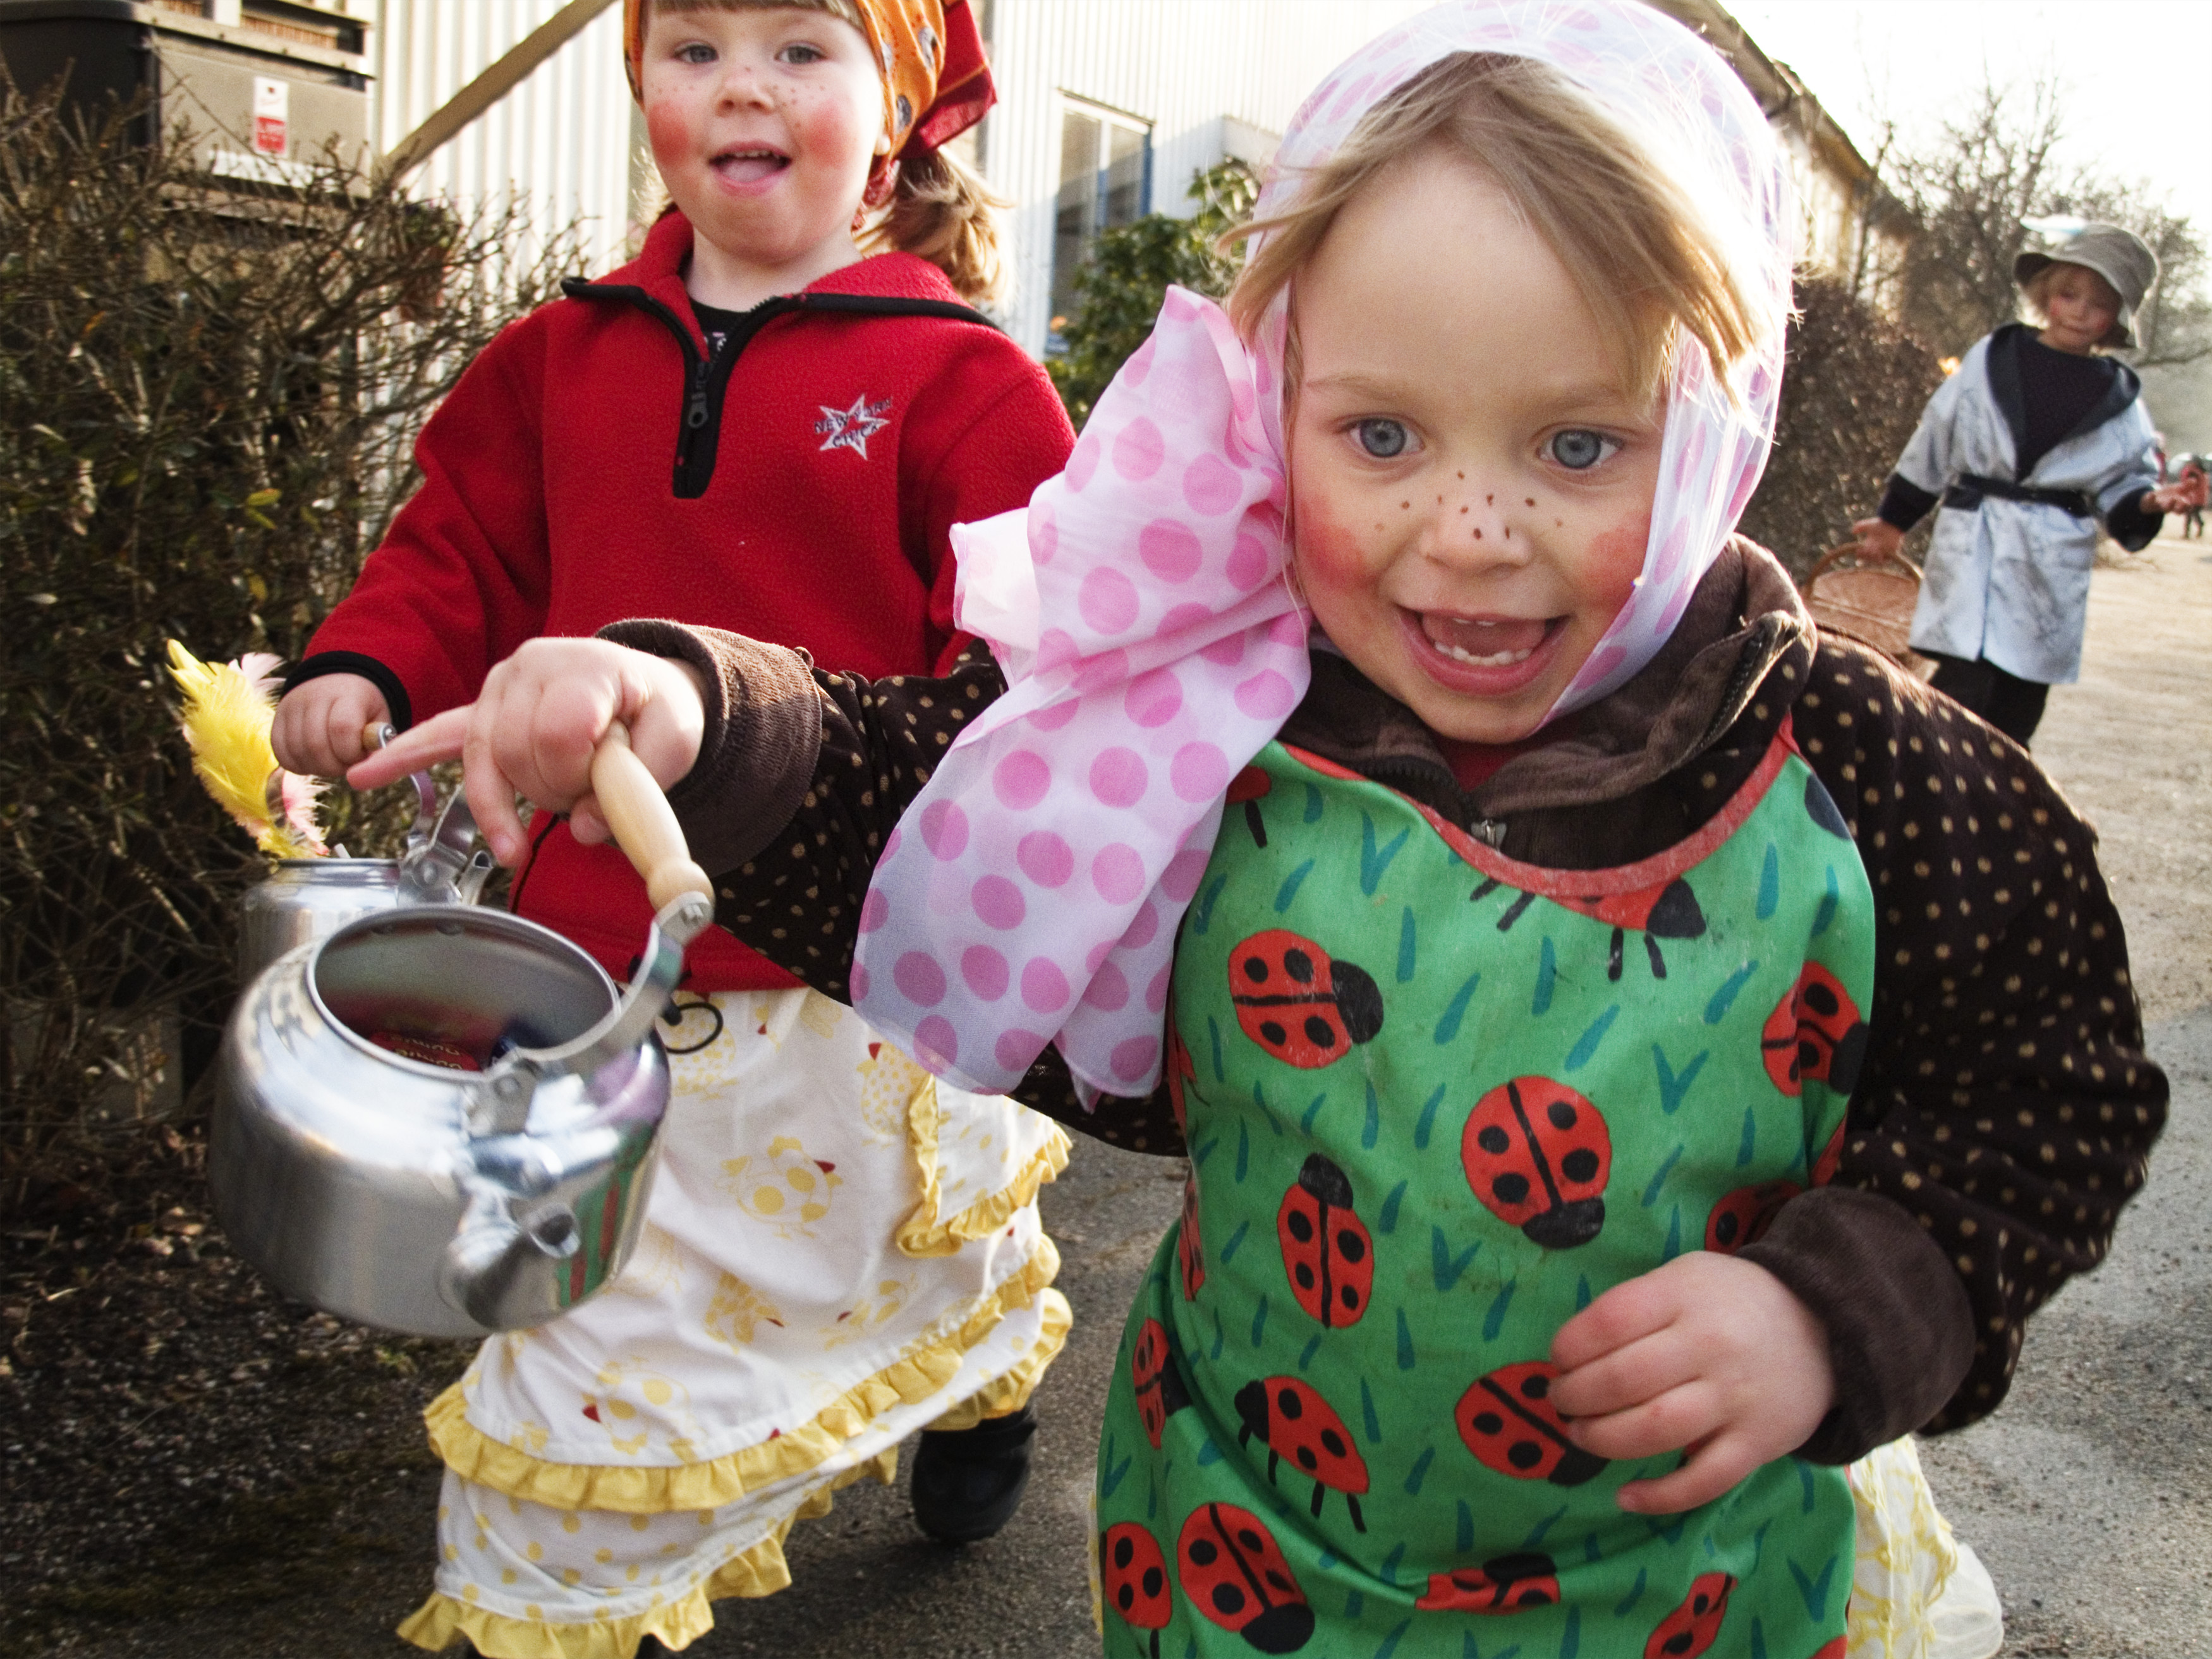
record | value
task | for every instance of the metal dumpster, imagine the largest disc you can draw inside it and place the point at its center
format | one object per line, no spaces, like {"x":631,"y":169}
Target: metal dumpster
{"x":264,"y":87}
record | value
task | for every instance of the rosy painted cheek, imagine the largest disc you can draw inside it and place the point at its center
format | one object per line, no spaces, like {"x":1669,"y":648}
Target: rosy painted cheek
{"x":828,"y":125}
{"x":1328,"y":554}
{"x":1615,"y":560}
{"x":665,"y":127}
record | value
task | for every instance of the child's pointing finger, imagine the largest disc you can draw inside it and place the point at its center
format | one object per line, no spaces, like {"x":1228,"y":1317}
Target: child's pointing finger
{"x":439,"y":738}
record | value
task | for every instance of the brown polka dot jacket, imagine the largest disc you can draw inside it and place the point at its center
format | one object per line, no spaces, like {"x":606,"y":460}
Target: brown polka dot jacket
{"x":2004,"y":1110}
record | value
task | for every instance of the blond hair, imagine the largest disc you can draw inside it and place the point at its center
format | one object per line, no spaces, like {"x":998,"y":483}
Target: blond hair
{"x":1642,"y":256}
{"x":939,"y":209}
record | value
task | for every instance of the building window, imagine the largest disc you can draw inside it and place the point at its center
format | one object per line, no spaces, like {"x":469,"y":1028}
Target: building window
{"x":1105,"y":179}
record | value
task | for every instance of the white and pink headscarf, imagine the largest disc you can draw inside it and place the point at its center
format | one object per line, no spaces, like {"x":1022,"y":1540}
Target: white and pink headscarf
{"x":1152,"y":642}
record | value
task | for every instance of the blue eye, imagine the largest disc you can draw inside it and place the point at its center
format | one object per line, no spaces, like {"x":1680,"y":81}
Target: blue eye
{"x":1383,"y":440}
{"x":804,"y":54}
{"x":1578,"y":450}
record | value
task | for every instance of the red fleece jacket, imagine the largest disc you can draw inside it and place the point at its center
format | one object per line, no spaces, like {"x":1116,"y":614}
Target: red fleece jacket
{"x":829,"y":457}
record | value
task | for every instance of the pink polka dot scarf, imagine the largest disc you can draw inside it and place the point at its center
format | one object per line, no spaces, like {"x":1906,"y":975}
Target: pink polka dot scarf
{"x":1152,"y":641}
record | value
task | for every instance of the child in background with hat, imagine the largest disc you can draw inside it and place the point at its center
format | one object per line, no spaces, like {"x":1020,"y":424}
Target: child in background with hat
{"x":1636,"y":1055}
{"x":2035,"y":439}
{"x":753,"y":427}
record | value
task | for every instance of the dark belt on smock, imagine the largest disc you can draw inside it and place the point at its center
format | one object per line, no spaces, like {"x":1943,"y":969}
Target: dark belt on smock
{"x":1966,"y":496}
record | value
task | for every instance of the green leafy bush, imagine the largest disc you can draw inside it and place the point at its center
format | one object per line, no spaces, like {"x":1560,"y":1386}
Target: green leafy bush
{"x":208,"y":399}
{"x":1118,"y":293}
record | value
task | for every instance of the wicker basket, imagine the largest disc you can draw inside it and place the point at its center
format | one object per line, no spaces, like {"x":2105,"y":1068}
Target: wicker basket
{"x":1870,"y":600}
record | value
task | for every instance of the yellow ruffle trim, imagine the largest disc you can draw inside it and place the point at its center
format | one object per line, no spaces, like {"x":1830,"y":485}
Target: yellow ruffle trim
{"x":909,"y":1380}
{"x":922,"y":1234}
{"x":760,"y":1571}
{"x":1006,"y":1395}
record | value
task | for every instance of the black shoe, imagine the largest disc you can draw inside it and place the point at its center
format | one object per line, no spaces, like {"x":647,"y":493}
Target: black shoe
{"x":968,"y":1482}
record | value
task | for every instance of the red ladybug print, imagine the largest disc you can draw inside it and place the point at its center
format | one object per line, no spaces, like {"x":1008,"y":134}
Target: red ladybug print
{"x":1693,"y":1627}
{"x":1158,"y":1381}
{"x":1248,"y":788}
{"x":1509,"y":1422}
{"x":1505,"y":1584}
{"x":1300,"y":1004}
{"x":1669,"y":910}
{"x":1190,"y":1249}
{"x":1743,"y":1217}
{"x":1233,"y":1573}
{"x":1297,"y":1423}
{"x":1834,"y":1649}
{"x":1537,"y":1156}
{"x":1814,"y":1032}
{"x":1180,"y":1069}
{"x":1135,"y":1577}
{"x":1326,"y":1248}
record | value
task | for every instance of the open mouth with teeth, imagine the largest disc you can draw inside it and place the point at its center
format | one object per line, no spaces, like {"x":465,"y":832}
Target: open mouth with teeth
{"x":1487,"y":642}
{"x":750,"y":164}
{"x":1484,"y":655}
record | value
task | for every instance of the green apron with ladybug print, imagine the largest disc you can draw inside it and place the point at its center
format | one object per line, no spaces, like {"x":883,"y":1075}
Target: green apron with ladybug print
{"x":1437,"y":1101}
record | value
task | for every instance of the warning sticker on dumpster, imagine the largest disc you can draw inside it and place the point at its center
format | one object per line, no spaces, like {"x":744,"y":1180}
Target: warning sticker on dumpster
{"x":272,"y":108}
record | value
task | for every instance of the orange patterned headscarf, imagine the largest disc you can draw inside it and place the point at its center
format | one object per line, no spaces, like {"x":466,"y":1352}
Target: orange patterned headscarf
{"x":936,"y":83}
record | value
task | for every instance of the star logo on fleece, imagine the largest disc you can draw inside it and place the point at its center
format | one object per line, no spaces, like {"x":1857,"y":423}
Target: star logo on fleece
{"x":851,"y":428}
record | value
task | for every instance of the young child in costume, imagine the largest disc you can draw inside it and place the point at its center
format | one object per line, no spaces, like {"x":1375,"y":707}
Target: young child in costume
{"x":2036,"y":440}
{"x":1635,"y":1054}
{"x":752,"y":427}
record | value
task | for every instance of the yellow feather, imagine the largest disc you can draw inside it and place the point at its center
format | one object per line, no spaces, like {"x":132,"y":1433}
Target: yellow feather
{"x":229,"y":709}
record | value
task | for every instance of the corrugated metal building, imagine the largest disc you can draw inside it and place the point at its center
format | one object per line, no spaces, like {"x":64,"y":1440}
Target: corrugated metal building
{"x":564,"y":140}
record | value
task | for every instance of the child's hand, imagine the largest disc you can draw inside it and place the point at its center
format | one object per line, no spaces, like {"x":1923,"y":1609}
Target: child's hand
{"x":1709,"y":1353}
{"x":533,"y":730}
{"x":1877,"y":538}
{"x":2179,"y":497}
{"x":318,"y":729}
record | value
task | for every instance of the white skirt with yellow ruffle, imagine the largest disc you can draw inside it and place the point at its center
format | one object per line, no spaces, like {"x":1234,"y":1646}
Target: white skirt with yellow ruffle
{"x":838,"y":1250}
{"x":1917,"y":1592}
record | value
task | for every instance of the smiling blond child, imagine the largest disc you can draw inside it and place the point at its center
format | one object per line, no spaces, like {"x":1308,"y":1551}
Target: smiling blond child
{"x":1638,"y":1057}
{"x":767,"y":423}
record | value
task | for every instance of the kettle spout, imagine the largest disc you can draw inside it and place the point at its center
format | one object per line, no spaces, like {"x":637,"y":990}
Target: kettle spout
{"x":478,"y":1272}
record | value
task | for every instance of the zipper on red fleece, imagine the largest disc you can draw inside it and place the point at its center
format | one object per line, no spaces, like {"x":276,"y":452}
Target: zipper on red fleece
{"x":707,"y":380}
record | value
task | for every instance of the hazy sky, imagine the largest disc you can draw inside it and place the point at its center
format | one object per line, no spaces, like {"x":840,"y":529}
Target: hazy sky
{"x":2136,"y":73}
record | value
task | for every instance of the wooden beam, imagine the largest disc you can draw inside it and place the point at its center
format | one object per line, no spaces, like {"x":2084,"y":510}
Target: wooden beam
{"x":487,"y":89}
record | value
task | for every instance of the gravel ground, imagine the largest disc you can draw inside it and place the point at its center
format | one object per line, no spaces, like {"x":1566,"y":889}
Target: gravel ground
{"x":195,"y":1467}
{"x":177,"y":1439}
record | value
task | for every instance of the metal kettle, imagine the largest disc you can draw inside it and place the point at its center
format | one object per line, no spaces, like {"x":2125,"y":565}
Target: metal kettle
{"x":443,"y":1120}
{"x":307,"y":899}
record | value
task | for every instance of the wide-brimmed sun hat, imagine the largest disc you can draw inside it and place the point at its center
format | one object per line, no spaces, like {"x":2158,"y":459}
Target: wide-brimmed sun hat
{"x":2119,"y":256}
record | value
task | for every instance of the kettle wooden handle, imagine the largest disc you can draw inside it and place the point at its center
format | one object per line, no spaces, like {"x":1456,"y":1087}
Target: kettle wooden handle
{"x":644,"y":823}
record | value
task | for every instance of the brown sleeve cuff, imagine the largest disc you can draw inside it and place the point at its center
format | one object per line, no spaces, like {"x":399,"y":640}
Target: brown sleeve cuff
{"x":763,"y":736}
{"x":1900,"y":1329}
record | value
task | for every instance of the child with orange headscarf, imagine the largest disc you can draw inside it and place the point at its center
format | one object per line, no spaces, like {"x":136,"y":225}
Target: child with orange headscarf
{"x":767,"y":423}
